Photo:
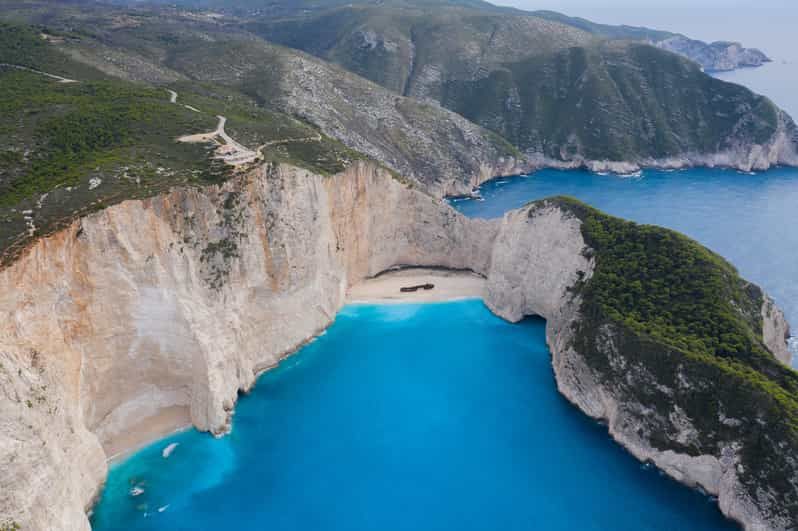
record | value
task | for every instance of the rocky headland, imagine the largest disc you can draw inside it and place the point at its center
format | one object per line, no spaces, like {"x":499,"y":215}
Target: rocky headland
{"x":719,"y":56}
{"x":178,"y":302}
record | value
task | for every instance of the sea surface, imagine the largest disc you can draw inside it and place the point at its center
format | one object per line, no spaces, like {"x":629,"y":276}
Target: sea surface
{"x":403,"y":417}
{"x":750,"y":219}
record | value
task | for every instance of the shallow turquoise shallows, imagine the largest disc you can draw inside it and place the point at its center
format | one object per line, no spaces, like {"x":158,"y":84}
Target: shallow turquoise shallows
{"x":752,"y":220}
{"x":404,"y":417}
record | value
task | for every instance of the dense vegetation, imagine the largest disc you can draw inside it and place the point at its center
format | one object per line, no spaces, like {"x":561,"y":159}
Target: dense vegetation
{"x":58,"y":133}
{"x":682,"y":314}
{"x":612,"y":101}
{"x":668,"y":287}
{"x":414,"y":51}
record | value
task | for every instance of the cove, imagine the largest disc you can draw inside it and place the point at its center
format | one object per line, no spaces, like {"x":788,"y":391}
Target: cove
{"x":750,"y":219}
{"x":403,"y":417}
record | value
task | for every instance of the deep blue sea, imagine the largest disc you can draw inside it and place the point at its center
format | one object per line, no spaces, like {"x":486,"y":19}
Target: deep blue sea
{"x":404,"y":417}
{"x":750,"y":219}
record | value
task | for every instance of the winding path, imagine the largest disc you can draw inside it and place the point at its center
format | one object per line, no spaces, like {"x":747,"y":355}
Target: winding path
{"x":173,"y":99}
{"x":60,"y":79}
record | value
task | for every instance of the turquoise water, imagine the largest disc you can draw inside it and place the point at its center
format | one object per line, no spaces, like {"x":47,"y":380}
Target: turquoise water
{"x":404,"y":417}
{"x":752,"y":220}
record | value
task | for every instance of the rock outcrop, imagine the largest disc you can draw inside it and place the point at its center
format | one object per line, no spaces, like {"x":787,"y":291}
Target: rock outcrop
{"x":776,"y":331}
{"x":716,"y":56}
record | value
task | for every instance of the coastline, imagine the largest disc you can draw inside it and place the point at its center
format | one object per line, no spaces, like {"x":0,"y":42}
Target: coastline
{"x":759,"y":158}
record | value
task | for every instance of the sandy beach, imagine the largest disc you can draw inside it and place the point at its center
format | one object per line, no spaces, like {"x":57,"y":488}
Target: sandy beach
{"x":165,"y":422}
{"x":449,"y":285}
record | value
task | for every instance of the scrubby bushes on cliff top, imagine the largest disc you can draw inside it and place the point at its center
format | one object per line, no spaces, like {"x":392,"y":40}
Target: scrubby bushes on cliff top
{"x":662,"y":284}
{"x":681,"y":315}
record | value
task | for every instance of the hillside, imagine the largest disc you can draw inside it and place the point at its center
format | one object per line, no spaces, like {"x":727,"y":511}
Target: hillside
{"x":438,"y":149}
{"x":683,"y":313}
{"x":72,"y":148}
{"x":415,"y":51}
{"x":570,"y":100}
{"x":617,"y":101}
{"x":549,"y":92}
{"x":550,"y":89}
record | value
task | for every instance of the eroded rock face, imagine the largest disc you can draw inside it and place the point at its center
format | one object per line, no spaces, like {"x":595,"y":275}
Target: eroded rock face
{"x":52,"y":465}
{"x":537,"y":259}
{"x":179,"y":301}
{"x":776,"y":331}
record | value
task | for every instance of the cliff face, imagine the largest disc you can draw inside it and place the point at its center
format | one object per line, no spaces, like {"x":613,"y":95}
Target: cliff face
{"x":781,"y":148}
{"x":178,"y":302}
{"x":664,"y":405}
{"x":776,"y":331}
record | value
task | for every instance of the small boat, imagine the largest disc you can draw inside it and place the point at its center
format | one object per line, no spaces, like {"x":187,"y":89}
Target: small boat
{"x":410,"y":289}
{"x":168,"y":450}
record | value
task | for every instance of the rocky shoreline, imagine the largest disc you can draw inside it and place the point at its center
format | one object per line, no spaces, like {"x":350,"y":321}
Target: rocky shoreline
{"x":779,"y":151}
